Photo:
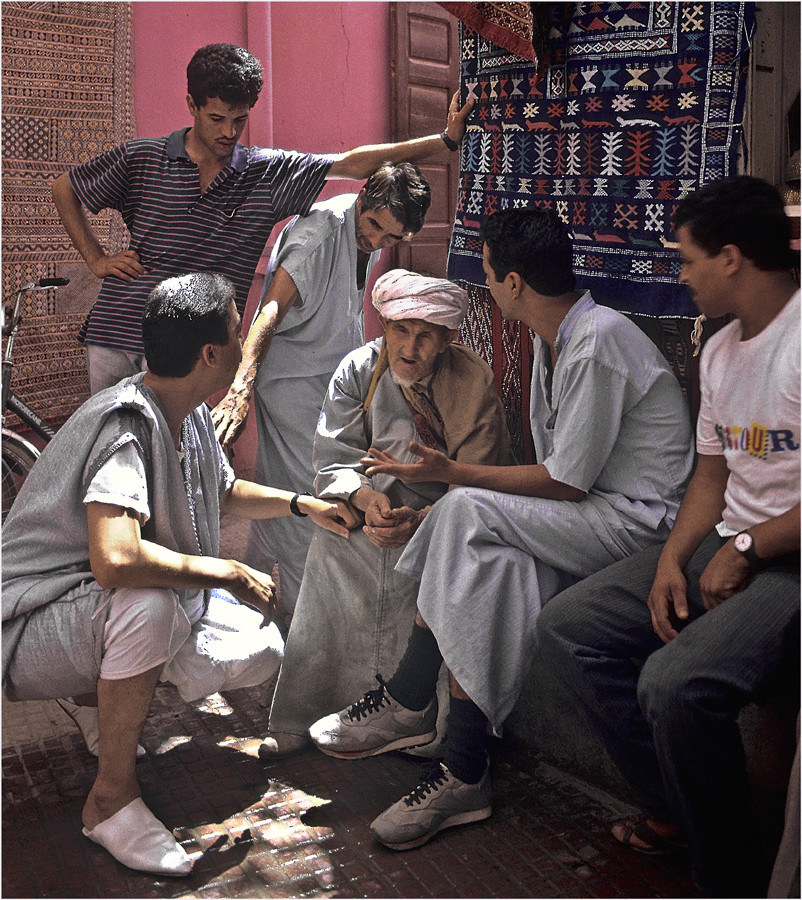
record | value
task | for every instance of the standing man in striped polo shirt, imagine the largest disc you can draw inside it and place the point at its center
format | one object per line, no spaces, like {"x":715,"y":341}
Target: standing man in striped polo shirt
{"x":198,"y":200}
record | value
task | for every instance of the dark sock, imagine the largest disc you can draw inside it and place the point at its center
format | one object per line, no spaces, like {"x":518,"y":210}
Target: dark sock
{"x":466,"y":744}
{"x":415,"y":679}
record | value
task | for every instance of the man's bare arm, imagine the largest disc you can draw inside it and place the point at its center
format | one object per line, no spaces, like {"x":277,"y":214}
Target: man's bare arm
{"x":124,"y":265}
{"x":530,"y":480}
{"x":250,"y":500}
{"x":230,"y":413}
{"x":729,"y":571}
{"x":119,"y":558}
{"x":699,"y":512}
{"x":363,"y":161}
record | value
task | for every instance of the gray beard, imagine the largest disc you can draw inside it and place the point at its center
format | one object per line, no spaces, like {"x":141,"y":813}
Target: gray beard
{"x":402,"y":382}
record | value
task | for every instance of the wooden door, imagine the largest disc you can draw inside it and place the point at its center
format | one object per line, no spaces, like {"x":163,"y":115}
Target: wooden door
{"x":424,"y":60}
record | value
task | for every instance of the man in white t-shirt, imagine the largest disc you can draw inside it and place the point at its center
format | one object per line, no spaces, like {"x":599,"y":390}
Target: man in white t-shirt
{"x":715,"y":611}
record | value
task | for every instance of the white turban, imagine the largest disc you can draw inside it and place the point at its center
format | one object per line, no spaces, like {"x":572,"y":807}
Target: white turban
{"x":400,"y":294}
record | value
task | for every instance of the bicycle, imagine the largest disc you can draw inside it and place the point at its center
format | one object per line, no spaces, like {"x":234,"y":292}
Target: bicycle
{"x":18,"y":453}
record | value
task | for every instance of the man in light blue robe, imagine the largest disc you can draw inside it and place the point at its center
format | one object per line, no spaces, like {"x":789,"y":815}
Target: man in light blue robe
{"x":613,"y":442}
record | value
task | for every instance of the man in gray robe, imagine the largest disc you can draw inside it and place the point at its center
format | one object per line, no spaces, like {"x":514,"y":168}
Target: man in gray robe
{"x":311,"y":316}
{"x":111,"y":579}
{"x":414,"y":384}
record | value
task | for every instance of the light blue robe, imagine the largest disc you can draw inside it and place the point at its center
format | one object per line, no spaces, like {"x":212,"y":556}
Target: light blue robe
{"x":610,"y":420}
{"x":319,"y":252}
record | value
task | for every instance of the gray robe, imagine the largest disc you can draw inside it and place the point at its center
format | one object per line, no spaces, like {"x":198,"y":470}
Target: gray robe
{"x":45,"y":537}
{"x":355,"y":612}
{"x":319,"y":252}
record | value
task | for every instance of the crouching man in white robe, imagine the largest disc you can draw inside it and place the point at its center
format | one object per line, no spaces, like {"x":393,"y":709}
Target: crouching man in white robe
{"x":612,"y":438}
{"x":414,"y":384}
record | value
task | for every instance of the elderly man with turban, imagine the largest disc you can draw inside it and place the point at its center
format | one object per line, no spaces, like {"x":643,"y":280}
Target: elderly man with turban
{"x":354,"y":610}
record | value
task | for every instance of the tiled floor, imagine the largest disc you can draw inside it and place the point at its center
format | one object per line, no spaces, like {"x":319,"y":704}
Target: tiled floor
{"x":300,"y":827}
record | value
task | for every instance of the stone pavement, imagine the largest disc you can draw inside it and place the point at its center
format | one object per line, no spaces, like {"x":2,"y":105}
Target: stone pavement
{"x":300,"y":827}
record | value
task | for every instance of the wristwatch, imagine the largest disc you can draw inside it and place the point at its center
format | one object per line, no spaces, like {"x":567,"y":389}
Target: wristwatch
{"x":745,"y":544}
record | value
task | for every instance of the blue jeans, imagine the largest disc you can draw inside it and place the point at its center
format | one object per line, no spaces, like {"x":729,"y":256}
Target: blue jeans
{"x":667,"y":712}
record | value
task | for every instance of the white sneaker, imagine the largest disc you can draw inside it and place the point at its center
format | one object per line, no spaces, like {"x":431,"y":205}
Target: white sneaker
{"x":440,"y":801}
{"x":375,"y":724}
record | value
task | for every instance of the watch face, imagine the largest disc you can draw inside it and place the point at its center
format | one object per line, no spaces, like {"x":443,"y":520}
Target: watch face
{"x":743,"y":542}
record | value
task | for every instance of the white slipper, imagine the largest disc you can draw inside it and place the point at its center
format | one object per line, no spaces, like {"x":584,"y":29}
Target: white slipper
{"x":85,"y":717}
{"x":136,"y":838}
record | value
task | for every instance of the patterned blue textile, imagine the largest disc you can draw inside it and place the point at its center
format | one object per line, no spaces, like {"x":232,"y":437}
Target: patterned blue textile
{"x":640,"y":104}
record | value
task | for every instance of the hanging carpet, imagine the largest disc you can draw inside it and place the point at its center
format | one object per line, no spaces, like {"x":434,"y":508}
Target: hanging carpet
{"x":67,"y":96}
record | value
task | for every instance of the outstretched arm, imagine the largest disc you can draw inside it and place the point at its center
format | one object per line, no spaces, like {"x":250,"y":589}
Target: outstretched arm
{"x":230,"y":413}
{"x":533,"y":481}
{"x":124,"y":265}
{"x":257,"y":501}
{"x":363,"y":161}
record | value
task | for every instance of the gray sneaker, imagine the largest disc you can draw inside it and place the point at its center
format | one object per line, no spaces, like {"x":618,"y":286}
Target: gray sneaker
{"x":440,"y":801}
{"x":373,"y":725}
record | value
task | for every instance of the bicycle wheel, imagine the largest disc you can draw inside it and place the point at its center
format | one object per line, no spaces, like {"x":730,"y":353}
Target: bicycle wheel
{"x":18,"y":457}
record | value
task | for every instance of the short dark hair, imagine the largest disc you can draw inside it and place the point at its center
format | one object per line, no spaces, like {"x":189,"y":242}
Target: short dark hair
{"x":402,"y":190}
{"x":182,"y":314}
{"x":533,"y":242}
{"x":225,"y":71}
{"x":741,"y":210}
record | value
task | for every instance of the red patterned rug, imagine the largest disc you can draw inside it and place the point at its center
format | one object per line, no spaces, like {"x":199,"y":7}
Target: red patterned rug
{"x":67,"y":95}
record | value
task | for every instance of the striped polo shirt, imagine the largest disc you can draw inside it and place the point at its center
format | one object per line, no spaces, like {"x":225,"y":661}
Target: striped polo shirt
{"x":175,"y":229}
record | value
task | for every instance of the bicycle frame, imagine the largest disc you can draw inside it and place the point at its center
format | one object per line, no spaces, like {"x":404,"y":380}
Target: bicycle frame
{"x":32,"y":419}
{"x":9,"y":399}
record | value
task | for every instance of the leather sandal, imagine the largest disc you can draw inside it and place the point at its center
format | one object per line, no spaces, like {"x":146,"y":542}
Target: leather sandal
{"x":136,"y":838}
{"x":85,"y":717}
{"x":655,"y":844}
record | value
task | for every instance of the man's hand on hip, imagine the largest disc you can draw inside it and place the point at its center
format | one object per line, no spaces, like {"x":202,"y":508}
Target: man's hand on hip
{"x":125,"y":266}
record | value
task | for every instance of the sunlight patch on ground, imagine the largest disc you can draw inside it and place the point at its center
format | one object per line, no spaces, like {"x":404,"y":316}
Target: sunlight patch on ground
{"x":214,"y":704}
{"x":172,"y":742}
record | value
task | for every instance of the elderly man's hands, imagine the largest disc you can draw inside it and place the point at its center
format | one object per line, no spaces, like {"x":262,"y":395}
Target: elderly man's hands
{"x":385,"y":527}
{"x":432,"y":465}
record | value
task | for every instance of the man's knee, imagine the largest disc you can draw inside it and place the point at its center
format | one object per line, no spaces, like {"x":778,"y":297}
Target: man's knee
{"x":463,"y":504}
{"x":665,"y":688}
{"x":144,"y":628}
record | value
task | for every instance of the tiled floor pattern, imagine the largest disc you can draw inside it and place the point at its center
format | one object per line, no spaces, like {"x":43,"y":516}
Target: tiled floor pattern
{"x":300,"y":827}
